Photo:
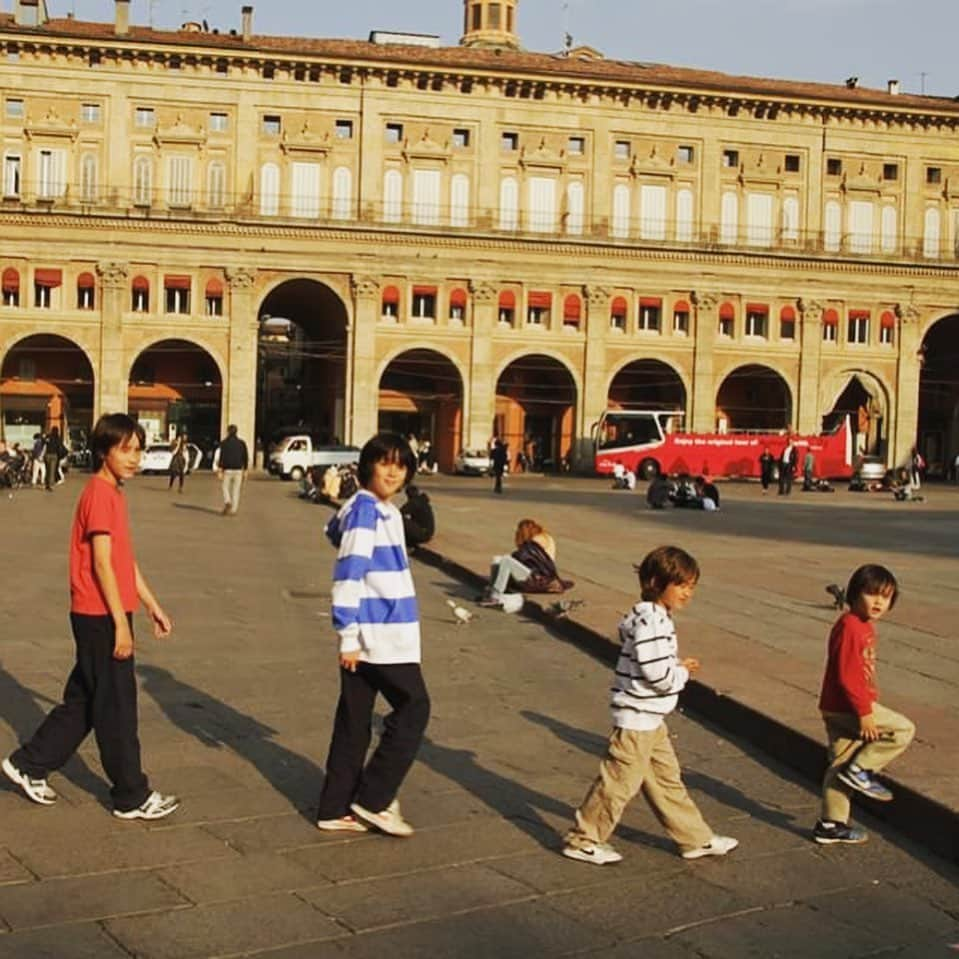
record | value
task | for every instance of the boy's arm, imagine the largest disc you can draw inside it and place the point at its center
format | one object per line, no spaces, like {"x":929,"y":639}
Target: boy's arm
{"x":353,"y":562}
{"x":107,"y":580}
{"x":162,"y":627}
{"x":654,"y":660}
{"x":851,"y":674}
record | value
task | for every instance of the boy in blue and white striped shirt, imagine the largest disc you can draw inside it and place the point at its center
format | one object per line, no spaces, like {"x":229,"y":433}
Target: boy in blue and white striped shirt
{"x":376,"y":616}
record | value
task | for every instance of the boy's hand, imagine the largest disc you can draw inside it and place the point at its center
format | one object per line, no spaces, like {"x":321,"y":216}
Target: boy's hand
{"x":868,"y":729}
{"x":122,"y":640}
{"x":348,"y":661}
{"x":162,"y":627}
{"x":691,"y":664}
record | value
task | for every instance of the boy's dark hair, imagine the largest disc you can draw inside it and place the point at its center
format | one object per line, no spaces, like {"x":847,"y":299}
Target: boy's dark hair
{"x":385,"y":447}
{"x":111,"y":430}
{"x":871,"y":578}
{"x":665,"y":566}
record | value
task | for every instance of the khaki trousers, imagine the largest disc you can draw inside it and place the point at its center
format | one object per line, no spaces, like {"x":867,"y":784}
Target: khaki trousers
{"x":845,"y":745}
{"x":637,"y":761}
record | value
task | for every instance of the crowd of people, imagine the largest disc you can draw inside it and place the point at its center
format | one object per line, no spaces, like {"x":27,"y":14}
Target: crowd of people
{"x":44,"y":464}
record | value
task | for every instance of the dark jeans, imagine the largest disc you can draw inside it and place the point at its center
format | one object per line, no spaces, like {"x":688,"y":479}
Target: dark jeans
{"x":101,"y":694}
{"x":497,"y":481}
{"x":375,"y":786}
{"x":52,"y":465}
{"x":785,"y":480}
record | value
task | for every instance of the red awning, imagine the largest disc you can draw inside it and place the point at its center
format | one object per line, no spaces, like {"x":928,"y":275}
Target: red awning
{"x":214,"y":287}
{"x":424,"y":291}
{"x":762,"y":308}
{"x":391,"y":294}
{"x":787,"y":313}
{"x":458,"y":297}
{"x":507,"y":300}
{"x":48,"y":277}
{"x":887,"y":320}
{"x":727,"y":312}
{"x":175,"y":282}
{"x":11,"y":280}
{"x":681,"y":306}
{"x":572,"y":307}
{"x":619,"y":307}
{"x":859,"y":314}
{"x":141,"y":284}
{"x":540,"y":299}
{"x":652,"y":302}
{"x":86,"y":281}
{"x":830,"y":317}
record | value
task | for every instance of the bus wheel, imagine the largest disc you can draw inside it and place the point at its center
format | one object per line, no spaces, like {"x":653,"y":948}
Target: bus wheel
{"x":648,"y":469}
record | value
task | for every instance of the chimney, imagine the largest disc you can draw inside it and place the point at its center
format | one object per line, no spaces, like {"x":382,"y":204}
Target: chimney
{"x":247,"y":23}
{"x":121,"y":24}
{"x":893,"y":87}
{"x":852,"y":82}
{"x":26,"y":13}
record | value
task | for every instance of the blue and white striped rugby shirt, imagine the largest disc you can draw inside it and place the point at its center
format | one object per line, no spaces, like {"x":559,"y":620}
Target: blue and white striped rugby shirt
{"x":374,"y":601}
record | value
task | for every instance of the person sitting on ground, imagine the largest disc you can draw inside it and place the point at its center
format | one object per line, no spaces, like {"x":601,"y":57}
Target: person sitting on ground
{"x":419,"y":523}
{"x":330,"y":487}
{"x":659,"y":492}
{"x":531,"y":566}
{"x":707,"y":493}
{"x":684,"y":493}
{"x":623,"y":478}
{"x":308,"y":488}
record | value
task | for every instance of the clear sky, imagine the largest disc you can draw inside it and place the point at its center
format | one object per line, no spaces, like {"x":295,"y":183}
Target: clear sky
{"x":914,"y":41}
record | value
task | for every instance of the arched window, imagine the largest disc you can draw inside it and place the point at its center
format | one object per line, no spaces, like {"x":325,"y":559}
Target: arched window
{"x":830,"y":325}
{"x":86,"y":291}
{"x":681,"y":318}
{"x":729,"y":218}
{"x":930,"y":234}
{"x":390,"y":306}
{"x":214,"y":297}
{"x":832,"y":226}
{"x":684,"y":216}
{"x":508,"y":204}
{"x":621,"y":211}
{"x":392,"y":196}
{"x":88,"y":178}
{"x":11,"y":287}
{"x":216,"y":186}
{"x":269,"y":189}
{"x":459,"y":200}
{"x":140,"y":299}
{"x":507,"y":308}
{"x":887,"y":328}
{"x":574,"y":208}
{"x":787,"y":323}
{"x":143,"y":181}
{"x":458,"y":301}
{"x":572,"y":312}
{"x":618,"y":311}
{"x":727,"y":320}
{"x":342,"y":193}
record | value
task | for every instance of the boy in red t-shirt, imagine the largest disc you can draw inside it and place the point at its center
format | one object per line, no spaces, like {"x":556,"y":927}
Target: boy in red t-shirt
{"x":106,"y":587}
{"x":864,"y":736}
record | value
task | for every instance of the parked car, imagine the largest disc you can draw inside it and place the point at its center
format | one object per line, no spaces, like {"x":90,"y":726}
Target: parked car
{"x":294,"y":455}
{"x":872,"y":469}
{"x":157,"y":456}
{"x":472,"y":463}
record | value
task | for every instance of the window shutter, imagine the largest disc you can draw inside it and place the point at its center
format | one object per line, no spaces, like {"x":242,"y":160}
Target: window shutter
{"x":684,"y":216}
{"x":392,"y":196}
{"x":652,"y":212}
{"x":460,"y":200}
{"x":306,"y":190}
{"x":574,"y":208}
{"x":426,"y":197}
{"x":541,"y":204}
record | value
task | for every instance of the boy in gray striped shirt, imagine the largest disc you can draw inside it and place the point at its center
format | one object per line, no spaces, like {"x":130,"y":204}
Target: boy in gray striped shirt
{"x":649,"y":676}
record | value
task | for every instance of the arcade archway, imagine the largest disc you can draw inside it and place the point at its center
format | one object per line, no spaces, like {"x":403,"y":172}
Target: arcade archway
{"x":301,"y":362}
{"x":863,"y":401}
{"x":175,"y":386}
{"x":754,"y":397}
{"x":421,"y":393}
{"x":46,"y":381}
{"x":647,"y":385}
{"x":938,"y":427}
{"x":536,"y":410}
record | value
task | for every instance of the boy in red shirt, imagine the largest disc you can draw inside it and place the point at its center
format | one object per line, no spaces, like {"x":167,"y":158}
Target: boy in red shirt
{"x":864,"y":736}
{"x":106,"y":587}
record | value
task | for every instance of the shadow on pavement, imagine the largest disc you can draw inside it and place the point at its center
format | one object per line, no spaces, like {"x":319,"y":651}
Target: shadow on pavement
{"x":219,"y":726}
{"x":198,"y":509}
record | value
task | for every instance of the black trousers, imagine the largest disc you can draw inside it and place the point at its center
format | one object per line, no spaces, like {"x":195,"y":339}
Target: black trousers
{"x":785,"y":480}
{"x":497,"y":481}
{"x":100,"y":695}
{"x":375,"y":786}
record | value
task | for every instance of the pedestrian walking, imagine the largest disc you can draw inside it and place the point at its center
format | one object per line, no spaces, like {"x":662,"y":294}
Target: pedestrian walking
{"x":106,"y":587}
{"x":787,"y":467}
{"x":767,"y":463}
{"x":376,"y":617}
{"x":231,"y":461}
{"x":917,"y":465}
{"x":808,"y":471}
{"x":54,"y":451}
{"x":499,"y":458}
{"x":38,"y":468}
{"x":646,"y":683}
{"x":179,"y":461}
{"x":864,"y":736}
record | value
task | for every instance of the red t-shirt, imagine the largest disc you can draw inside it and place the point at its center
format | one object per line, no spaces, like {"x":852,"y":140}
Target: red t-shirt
{"x":849,"y":685}
{"x":101,"y":509}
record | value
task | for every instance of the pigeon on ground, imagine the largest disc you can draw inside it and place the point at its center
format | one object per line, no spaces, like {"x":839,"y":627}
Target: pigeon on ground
{"x":563,"y":607}
{"x":838,"y":594}
{"x":460,"y":614}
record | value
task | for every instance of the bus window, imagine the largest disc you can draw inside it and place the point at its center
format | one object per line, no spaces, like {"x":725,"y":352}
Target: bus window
{"x":621,"y":429}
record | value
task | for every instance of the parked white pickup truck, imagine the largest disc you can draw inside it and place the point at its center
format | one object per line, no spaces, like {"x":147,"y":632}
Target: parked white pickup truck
{"x":295,"y":454}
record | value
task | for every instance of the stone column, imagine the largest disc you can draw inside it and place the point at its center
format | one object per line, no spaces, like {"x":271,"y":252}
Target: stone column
{"x":363,"y":399}
{"x":238,"y":402}
{"x":903,"y":429}
{"x":702,"y":411}
{"x":481,"y":389}
{"x":595,"y":397}
{"x":807,"y":416}
{"x":111,"y":392}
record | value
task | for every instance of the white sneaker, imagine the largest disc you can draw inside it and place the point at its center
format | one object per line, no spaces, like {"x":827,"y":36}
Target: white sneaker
{"x":717,"y":846}
{"x":598,"y":853}
{"x":390,"y":820}
{"x":36,"y":789}
{"x":154,"y":806}
{"x":343,"y":824}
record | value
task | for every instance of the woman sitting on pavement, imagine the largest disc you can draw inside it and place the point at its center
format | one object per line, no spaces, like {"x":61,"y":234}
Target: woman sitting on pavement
{"x":531,"y":566}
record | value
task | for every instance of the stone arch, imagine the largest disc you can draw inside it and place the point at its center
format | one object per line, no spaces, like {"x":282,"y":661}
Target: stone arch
{"x":937,"y":428}
{"x":302,"y":352}
{"x":46,"y":380}
{"x":420,"y":392}
{"x":560,"y":358}
{"x":754,"y":396}
{"x":646,"y":382}
{"x":864,"y":397}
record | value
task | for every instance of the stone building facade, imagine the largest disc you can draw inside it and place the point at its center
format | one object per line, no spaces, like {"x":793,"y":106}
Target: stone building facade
{"x":207,"y":227}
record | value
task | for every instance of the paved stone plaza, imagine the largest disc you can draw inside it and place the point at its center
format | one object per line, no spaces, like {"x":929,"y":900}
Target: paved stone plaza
{"x":236,"y":712}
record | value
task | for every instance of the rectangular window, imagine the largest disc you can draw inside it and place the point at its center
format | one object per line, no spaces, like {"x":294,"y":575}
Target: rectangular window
{"x":344,"y":129}
{"x":759,"y":219}
{"x":684,"y":153}
{"x":756,"y":322}
{"x":858,"y":328}
{"x":541,"y":212}
{"x":11,"y":175}
{"x":576,"y":146}
{"x":461,"y":139}
{"x":426,"y":197}
{"x":650,"y":312}
{"x":394,"y":132}
{"x":42,"y":296}
{"x":787,"y":328}
{"x":833,"y":166}
{"x":51,"y":179}
{"x":621,"y":149}
{"x":140,"y":300}
{"x":424,"y":305}
{"x":15,"y":109}
{"x":476,"y":19}
{"x":890,"y":171}
{"x":829,"y":332}
{"x":731,"y":159}
{"x":85,"y":298}
{"x":652,"y":212}
{"x":681,"y":322}
{"x":933,"y":174}
{"x":272,"y":125}
{"x":179,"y":177}
{"x":792,"y":163}
{"x":177,"y":300}
{"x":494,"y":18}
{"x":507,"y":316}
{"x":537,"y":316}
{"x":509,"y":142}
{"x":144,"y":117}
{"x":90,"y":113}
{"x":726,"y":327}
{"x":219,"y":123}
{"x":214,"y":304}
{"x":11,"y":297}
{"x":885,"y":334}
{"x":305,"y":201}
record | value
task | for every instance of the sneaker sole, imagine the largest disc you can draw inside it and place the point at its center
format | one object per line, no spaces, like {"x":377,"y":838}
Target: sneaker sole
{"x":852,"y":784}
{"x":693,"y":854}
{"x":580,"y":855}
{"x":14,"y":775}
{"x":147,"y":817}
{"x":370,"y":819}
{"x":833,"y":841}
{"x":340,"y":827}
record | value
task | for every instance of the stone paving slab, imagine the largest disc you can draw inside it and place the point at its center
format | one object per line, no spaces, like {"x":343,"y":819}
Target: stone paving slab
{"x":77,"y":941}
